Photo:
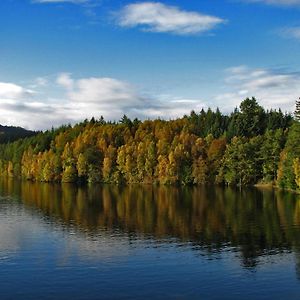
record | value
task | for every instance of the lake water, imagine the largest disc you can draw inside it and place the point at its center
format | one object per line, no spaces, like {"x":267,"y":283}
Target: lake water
{"x":140,"y":242}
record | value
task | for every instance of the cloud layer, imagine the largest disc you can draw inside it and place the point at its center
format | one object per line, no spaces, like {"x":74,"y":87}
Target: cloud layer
{"x":272,"y":88}
{"x":78,"y":99}
{"x":158,"y":17}
{"x":84,"y":98}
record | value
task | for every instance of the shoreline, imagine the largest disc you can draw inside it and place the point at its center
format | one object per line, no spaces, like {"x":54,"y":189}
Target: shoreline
{"x":257,"y":185}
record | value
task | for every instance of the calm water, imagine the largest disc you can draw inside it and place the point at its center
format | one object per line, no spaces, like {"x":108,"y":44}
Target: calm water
{"x":105,"y":242}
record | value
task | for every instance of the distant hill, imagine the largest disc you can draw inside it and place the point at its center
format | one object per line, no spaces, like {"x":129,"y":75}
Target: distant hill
{"x":11,"y":133}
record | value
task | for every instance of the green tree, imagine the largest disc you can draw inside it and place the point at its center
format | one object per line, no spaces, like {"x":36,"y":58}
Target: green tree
{"x":250,"y":121}
{"x":271,"y":148}
{"x":240,"y":162}
{"x":286,"y":175}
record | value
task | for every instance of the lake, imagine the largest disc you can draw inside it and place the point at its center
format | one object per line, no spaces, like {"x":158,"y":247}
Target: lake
{"x":140,"y":242}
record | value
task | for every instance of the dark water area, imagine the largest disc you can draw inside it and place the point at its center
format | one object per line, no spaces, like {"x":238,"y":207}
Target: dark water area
{"x":142,"y":242}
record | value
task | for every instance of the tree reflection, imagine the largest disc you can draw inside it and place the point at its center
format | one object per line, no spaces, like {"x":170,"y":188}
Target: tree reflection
{"x":255,"y":222}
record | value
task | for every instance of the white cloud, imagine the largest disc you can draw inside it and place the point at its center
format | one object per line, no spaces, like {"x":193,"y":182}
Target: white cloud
{"x":112,"y":98}
{"x":272,"y":88}
{"x":33,"y":115}
{"x":158,"y":17}
{"x":88,"y":97}
{"x":85,"y":98}
{"x":19,"y":107}
{"x":105,"y":90}
{"x":13,"y":91}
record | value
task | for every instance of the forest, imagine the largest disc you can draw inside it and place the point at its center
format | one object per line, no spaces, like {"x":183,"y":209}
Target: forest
{"x":249,"y":146}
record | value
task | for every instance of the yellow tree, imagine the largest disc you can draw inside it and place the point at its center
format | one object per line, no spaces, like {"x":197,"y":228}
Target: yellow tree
{"x":69,"y":166}
{"x":296,"y":165}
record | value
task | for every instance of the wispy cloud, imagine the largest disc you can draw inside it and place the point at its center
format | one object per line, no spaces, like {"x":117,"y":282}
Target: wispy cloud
{"x":290,"y":32}
{"x":65,"y":80}
{"x":278,"y":2}
{"x":158,"y":17}
{"x":88,"y":7}
{"x":61,"y":1}
{"x":273,"y":88}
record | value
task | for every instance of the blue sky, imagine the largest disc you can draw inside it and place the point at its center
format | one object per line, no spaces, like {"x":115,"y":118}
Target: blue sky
{"x":64,"y":61}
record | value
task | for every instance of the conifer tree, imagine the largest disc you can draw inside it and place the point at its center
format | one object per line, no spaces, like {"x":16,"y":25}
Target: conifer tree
{"x":297,"y":111}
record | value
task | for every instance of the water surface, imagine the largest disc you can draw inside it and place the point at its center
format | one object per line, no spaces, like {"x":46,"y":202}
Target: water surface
{"x":108,"y":242}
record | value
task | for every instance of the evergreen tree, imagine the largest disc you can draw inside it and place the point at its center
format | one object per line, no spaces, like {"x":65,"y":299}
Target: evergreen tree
{"x":250,"y":121}
{"x":297,"y":111}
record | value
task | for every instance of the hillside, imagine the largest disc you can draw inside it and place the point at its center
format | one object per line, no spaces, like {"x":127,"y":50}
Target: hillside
{"x":11,"y":133}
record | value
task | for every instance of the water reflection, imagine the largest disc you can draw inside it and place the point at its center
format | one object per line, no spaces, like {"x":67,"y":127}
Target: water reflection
{"x":252,"y":222}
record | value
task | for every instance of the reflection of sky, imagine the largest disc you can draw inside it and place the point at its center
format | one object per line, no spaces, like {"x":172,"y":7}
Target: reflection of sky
{"x":14,"y":226}
{"x":21,"y":230}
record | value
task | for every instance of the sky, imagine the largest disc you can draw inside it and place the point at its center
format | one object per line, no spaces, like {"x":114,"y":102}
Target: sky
{"x":62,"y":61}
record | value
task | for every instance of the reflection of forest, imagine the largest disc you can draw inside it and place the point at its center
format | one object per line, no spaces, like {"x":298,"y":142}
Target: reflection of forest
{"x":255,"y":221}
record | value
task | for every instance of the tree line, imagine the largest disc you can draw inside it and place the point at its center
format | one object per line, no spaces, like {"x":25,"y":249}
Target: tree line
{"x":248,"y":146}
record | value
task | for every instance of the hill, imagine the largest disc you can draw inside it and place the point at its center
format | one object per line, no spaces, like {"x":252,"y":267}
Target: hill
{"x":11,"y":133}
